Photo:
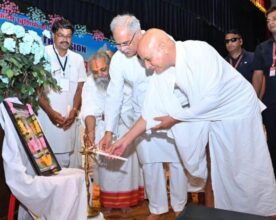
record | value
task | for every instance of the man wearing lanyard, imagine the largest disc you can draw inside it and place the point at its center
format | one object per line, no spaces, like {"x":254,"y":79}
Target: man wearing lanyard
{"x":238,"y":57}
{"x":60,"y":109}
{"x":264,"y":66}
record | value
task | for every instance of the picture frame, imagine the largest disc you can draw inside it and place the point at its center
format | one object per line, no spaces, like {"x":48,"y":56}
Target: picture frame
{"x":32,"y":138}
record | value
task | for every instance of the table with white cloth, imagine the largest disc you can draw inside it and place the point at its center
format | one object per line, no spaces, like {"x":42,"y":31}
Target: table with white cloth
{"x":62,"y":196}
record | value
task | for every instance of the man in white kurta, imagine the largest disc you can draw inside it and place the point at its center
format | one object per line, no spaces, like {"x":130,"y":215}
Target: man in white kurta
{"x":242,"y":174}
{"x":58,"y":115}
{"x":119,"y":180}
{"x":190,"y":138}
{"x":153,"y":150}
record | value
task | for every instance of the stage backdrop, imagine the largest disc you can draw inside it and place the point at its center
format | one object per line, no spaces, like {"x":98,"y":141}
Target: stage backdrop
{"x":84,"y":44}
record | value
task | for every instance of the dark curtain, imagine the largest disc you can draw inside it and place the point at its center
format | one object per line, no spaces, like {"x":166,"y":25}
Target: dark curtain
{"x":183,"y":19}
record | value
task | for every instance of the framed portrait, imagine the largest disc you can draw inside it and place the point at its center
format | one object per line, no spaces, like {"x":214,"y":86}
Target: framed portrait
{"x":33,"y":139}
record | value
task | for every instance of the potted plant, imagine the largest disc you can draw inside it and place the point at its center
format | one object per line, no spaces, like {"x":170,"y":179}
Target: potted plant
{"x":24,"y":66}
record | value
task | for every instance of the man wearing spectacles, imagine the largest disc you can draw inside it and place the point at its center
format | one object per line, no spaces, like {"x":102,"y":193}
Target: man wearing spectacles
{"x":126,"y":43}
{"x":126,"y":69}
{"x":238,"y":57}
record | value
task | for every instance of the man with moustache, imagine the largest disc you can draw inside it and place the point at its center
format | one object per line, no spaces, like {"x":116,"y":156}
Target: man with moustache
{"x":238,"y":57}
{"x":119,"y":180}
{"x":60,"y":109}
{"x":264,"y":81}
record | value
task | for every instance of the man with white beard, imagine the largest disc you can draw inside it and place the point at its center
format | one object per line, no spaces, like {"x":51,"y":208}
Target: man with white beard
{"x":119,"y":181}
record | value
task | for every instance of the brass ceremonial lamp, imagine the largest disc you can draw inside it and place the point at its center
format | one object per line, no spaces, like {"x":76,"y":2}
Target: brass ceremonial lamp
{"x":91,"y":211}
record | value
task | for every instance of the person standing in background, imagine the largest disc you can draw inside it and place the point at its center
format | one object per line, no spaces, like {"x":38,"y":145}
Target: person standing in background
{"x":238,"y":57}
{"x":264,"y":82}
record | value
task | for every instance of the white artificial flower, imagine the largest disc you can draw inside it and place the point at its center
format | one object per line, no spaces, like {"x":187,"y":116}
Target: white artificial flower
{"x":39,"y":52}
{"x":28,"y":38}
{"x":46,"y":33}
{"x":47,"y":66}
{"x":10,"y":44}
{"x":19,"y":31}
{"x":46,"y":56}
{"x":34,"y":48}
{"x":25,"y":48}
{"x":39,"y":41}
{"x":4,"y":79}
{"x":37,"y":49}
{"x":8,"y":28}
{"x":34,"y":35}
{"x":36,"y":59}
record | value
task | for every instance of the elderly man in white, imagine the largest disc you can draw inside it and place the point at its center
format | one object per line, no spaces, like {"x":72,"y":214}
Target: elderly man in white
{"x":119,"y":180}
{"x":219,"y":97}
{"x":155,"y":149}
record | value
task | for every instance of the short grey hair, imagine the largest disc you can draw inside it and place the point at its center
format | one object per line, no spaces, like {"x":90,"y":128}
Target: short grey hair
{"x":126,"y":20}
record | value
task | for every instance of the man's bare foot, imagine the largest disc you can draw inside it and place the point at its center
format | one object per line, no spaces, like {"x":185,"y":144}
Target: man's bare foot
{"x":156,"y":217}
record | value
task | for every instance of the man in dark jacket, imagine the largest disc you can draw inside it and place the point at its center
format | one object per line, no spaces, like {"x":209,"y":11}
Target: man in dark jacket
{"x":238,"y":57}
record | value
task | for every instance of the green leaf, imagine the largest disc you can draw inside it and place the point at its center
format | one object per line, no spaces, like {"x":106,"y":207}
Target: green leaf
{"x":4,"y":50}
{"x":9,"y":73}
{"x":34,"y":74}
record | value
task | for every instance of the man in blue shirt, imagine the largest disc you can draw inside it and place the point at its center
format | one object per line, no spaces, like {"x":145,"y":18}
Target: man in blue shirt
{"x":238,"y":57}
{"x":264,"y":81}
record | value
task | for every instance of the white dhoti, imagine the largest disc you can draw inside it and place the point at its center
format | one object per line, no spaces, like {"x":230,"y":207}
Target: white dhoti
{"x":241,"y":169}
{"x":120,"y":181}
{"x":191,"y":139}
{"x":189,"y":143}
{"x":247,"y":183}
{"x":153,"y":150}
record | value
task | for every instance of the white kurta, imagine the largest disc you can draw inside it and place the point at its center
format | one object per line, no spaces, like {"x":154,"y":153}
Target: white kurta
{"x":62,"y":196}
{"x":153,"y":149}
{"x":163,"y":98}
{"x":119,"y":180}
{"x":130,"y":71}
{"x":242,"y":175}
{"x":63,"y":141}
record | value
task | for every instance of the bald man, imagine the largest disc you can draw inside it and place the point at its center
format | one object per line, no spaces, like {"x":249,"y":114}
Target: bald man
{"x":242,"y":174}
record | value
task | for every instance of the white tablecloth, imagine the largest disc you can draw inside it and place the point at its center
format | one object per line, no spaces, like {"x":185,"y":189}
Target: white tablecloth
{"x":62,"y":196}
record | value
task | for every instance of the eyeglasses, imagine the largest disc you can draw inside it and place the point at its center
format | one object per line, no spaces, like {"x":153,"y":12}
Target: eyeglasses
{"x":234,"y":39}
{"x":126,"y":43}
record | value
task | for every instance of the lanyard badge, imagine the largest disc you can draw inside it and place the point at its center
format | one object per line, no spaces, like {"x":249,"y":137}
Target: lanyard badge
{"x":273,"y":67}
{"x":63,"y":81}
{"x":238,"y":61}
